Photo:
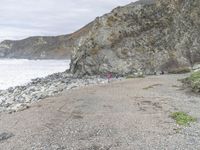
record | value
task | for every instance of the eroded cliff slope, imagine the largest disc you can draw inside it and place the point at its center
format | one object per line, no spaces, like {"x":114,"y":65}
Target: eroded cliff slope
{"x":147,"y":36}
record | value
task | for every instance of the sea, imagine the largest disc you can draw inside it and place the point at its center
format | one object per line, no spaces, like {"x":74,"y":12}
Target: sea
{"x":16,"y":72}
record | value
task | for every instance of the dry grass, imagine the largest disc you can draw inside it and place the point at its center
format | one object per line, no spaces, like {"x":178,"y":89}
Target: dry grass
{"x":180,"y":70}
{"x":151,"y":86}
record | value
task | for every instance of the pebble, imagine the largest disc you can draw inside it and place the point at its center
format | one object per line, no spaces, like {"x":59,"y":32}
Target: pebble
{"x":5,"y":136}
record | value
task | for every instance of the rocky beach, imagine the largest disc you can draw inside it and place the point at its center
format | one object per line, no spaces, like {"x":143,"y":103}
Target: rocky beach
{"x":21,"y":97}
{"x":133,"y":83}
{"x":127,"y":114}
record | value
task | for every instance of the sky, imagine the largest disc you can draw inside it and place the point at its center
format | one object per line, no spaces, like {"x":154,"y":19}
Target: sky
{"x":23,"y":18}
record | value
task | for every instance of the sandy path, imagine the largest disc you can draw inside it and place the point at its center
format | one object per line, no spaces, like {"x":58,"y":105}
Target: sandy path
{"x":124,"y":115}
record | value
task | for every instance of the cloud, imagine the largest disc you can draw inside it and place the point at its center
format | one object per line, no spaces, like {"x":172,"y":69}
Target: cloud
{"x":23,"y":18}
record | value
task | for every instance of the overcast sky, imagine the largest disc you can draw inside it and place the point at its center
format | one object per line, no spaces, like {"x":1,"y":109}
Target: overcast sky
{"x":22,"y":18}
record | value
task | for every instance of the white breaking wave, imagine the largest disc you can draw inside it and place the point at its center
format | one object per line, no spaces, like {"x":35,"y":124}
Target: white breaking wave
{"x":15,"y":72}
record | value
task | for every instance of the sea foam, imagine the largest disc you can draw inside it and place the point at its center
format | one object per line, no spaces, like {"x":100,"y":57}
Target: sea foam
{"x":15,"y":72}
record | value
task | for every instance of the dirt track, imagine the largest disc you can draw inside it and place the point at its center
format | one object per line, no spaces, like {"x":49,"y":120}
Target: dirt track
{"x":124,"y":115}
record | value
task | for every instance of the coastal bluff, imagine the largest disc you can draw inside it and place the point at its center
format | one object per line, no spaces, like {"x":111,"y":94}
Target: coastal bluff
{"x":146,"y":36}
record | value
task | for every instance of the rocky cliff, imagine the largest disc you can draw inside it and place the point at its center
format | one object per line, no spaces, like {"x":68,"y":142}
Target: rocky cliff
{"x":147,"y":36}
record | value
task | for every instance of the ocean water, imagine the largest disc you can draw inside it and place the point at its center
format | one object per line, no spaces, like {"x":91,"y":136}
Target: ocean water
{"x":14,"y":72}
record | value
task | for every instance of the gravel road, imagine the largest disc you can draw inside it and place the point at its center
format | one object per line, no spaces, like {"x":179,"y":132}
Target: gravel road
{"x":131,"y":114}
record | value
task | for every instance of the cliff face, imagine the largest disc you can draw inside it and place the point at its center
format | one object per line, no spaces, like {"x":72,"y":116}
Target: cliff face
{"x":145,"y":36}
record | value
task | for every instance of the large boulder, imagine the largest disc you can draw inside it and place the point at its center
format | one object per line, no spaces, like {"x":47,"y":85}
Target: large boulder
{"x":146,"y":36}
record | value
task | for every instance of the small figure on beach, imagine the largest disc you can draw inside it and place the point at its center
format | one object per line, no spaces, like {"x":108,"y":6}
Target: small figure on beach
{"x":109,"y":76}
{"x":162,"y":72}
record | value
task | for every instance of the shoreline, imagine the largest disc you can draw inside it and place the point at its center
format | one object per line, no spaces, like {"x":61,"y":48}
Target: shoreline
{"x":21,"y":97}
{"x":19,"y":72}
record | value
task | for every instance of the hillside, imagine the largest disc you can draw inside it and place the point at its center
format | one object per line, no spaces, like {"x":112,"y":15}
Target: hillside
{"x":147,"y":36}
{"x":36,"y":47}
{"x":57,"y":47}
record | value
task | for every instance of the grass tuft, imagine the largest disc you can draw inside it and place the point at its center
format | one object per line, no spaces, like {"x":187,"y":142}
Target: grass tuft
{"x":183,"y":118}
{"x":193,"y":81}
{"x":195,"y":76}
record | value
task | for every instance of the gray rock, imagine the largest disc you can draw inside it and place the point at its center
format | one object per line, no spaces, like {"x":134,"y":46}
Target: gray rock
{"x":5,"y":136}
{"x":196,"y":67}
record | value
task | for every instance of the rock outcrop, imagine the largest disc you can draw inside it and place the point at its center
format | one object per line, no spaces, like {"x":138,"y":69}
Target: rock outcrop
{"x":147,"y":36}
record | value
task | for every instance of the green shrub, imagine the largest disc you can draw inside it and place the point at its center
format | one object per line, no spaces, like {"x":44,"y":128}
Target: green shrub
{"x":195,"y":76}
{"x":182,"y":118}
{"x":193,"y":81}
